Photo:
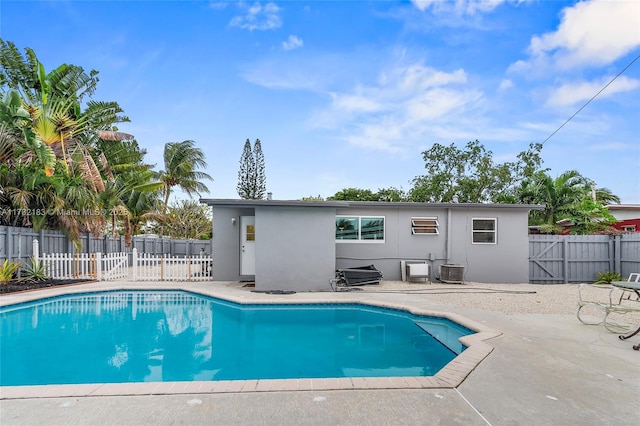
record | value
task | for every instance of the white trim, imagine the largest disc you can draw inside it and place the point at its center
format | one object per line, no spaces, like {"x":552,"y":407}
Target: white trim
{"x":494,"y":231}
{"x":435,"y":226}
{"x":359,"y":240}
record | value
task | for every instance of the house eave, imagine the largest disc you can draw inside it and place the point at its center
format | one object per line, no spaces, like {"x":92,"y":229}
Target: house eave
{"x":362,"y":204}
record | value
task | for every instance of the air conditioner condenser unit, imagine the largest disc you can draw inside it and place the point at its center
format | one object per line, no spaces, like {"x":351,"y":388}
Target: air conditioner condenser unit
{"x":453,"y":274}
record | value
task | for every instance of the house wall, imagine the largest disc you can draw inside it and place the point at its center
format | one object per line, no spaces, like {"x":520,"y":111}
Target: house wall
{"x":504,"y":262}
{"x":399,"y":243}
{"x":295,"y":248}
{"x":623,"y":224}
{"x":226,"y":243}
{"x":625,"y":214}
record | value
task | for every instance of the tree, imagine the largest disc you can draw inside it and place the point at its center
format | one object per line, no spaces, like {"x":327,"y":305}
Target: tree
{"x":558,"y":195}
{"x":251,"y":176}
{"x":260,"y":179}
{"x":181,"y":163}
{"x":569,"y":196}
{"x":143,"y":206}
{"x":188,"y":219}
{"x":589,"y":217}
{"x":353,"y":194}
{"x":602,"y":195}
{"x":127,"y":178}
{"x":470,"y":175}
{"x":390,"y":194}
{"x":246,"y":173}
{"x":48,"y":124}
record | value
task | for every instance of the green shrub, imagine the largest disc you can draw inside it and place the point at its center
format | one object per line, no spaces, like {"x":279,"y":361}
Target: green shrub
{"x":36,"y":270}
{"x":8,"y":271}
{"x":607,"y":277}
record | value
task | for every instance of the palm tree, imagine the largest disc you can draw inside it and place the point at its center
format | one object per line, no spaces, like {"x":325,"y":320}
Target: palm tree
{"x":43,"y":123}
{"x":181,"y":161}
{"x":603,"y":196}
{"x":558,"y":195}
{"x":127,"y":178}
{"x":142,"y":207}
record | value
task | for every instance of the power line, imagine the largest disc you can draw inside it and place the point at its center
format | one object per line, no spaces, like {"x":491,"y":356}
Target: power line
{"x":589,"y":101}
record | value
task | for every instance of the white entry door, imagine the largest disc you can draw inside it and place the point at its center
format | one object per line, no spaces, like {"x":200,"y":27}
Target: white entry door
{"x":247,"y":245}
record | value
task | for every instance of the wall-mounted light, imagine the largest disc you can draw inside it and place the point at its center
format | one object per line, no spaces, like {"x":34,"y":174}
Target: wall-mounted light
{"x":233,"y":221}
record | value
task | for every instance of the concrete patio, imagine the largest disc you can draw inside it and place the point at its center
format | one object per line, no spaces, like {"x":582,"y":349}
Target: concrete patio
{"x":545,"y":369}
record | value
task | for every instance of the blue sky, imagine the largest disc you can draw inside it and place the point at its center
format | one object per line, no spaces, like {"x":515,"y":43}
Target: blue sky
{"x":349,"y":93}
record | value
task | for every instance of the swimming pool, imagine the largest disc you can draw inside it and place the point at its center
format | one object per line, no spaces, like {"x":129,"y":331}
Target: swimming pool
{"x":155,"y":336}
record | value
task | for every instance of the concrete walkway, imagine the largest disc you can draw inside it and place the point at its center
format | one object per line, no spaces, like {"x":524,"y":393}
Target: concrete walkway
{"x":544,"y":370}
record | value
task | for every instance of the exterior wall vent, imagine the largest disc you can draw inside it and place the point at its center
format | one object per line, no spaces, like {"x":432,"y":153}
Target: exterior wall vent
{"x":452,"y":274}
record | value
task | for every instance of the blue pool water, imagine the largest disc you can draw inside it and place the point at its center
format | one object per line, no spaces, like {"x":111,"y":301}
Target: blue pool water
{"x":151,"y":336}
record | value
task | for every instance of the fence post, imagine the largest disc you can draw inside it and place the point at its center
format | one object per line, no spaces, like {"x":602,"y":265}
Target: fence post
{"x":617,"y":253}
{"x":134,"y":260}
{"x":8,"y":246}
{"x":36,"y":250}
{"x":565,"y":260}
{"x":42,"y":239}
{"x":99,"y":266}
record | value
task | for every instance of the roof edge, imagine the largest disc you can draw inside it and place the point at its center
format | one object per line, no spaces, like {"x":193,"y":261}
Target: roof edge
{"x":362,"y":204}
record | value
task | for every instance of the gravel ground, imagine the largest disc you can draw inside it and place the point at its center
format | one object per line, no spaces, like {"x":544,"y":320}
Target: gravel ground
{"x":508,"y":298}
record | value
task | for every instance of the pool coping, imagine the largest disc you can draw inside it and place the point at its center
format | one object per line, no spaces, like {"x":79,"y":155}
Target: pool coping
{"x":449,"y":377}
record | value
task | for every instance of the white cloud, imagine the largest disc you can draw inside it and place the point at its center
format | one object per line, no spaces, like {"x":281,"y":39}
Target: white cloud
{"x":591,"y":33}
{"x":396,"y":112}
{"x":381,"y":134}
{"x":355,"y":103}
{"x":258,"y":17}
{"x":437,"y":104}
{"x":218,"y":4}
{"x":461,"y":7}
{"x":418,"y":77}
{"x":573,"y":93}
{"x":505,"y":84}
{"x":292,"y":42}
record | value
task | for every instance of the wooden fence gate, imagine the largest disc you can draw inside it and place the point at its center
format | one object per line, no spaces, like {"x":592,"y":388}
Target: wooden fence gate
{"x":557,"y":259}
{"x":91,"y":266}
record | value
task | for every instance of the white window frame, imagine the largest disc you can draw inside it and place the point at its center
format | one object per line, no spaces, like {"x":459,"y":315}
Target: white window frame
{"x":435,"y":226}
{"x":629,"y":228}
{"x":359,"y":240}
{"x":494,"y":231}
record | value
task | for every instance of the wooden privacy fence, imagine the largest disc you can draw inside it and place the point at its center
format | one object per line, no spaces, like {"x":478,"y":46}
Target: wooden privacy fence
{"x":16,"y":244}
{"x":558,"y":259}
{"x":149,"y":267}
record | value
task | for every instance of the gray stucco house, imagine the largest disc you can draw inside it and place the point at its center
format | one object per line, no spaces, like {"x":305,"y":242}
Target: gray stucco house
{"x":298,"y":245}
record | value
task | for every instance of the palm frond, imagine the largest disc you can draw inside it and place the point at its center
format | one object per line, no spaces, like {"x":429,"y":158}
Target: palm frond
{"x":114,"y":136}
{"x":105,"y":166}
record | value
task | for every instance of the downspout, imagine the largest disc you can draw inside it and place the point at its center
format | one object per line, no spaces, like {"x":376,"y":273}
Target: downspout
{"x":448,"y":240}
